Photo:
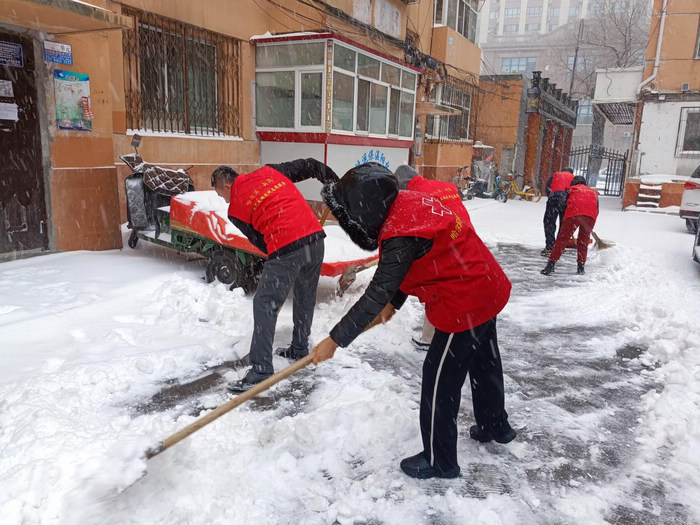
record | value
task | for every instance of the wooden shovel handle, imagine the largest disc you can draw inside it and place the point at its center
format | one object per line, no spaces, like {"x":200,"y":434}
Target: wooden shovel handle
{"x":229,"y":405}
{"x":326,"y":212}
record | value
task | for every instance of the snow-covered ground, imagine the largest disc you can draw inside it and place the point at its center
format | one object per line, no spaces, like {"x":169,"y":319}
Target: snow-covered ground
{"x":602,"y":383}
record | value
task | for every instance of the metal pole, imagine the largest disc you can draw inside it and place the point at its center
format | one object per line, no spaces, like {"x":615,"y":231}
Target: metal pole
{"x":573,"y":69}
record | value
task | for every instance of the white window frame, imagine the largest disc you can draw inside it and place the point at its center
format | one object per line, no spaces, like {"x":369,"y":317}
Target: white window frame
{"x":682,"y":125}
{"x":471,"y":5}
{"x":357,"y":77}
{"x":697,"y":45}
{"x":298,"y":70}
{"x":437,"y":120}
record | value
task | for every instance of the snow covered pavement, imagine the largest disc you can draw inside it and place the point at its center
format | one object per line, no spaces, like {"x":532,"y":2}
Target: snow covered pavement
{"x":602,"y":384}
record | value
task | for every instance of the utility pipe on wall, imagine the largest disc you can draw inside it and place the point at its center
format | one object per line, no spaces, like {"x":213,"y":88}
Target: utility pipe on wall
{"x":658,"y":49}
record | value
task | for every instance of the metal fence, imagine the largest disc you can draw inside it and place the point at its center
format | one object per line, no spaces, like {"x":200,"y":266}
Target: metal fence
{"x":603,"y":168}
{"x":180,"y":78}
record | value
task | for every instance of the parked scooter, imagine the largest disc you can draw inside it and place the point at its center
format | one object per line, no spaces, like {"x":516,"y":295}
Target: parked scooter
{"x":149,"y":188}
{"x":500,"y":190}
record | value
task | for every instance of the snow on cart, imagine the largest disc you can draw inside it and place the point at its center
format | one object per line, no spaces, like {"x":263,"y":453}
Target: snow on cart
{"x":196,"y":222}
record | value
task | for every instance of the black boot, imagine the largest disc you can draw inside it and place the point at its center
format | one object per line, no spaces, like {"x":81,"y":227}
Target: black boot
{"x":419,"y":467}
{"x":548,"y":269}
{"x":546,"y":252}
{"x":503,"y":434}
{"x":580,"y":270}
{"x":251,"y":379}
{"x":292,"y":352}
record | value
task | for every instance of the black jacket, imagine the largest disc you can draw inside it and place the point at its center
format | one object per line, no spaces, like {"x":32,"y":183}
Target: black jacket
{"x":297,"y":171}
{"x":398,"y":254}
{"x":360,"y":202}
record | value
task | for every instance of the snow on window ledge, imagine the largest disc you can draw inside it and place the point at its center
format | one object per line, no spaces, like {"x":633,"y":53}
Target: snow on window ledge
{"x":170,"y":134}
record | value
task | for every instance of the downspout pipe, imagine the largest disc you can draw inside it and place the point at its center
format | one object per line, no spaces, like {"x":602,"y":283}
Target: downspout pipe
{"x":658,"y":49}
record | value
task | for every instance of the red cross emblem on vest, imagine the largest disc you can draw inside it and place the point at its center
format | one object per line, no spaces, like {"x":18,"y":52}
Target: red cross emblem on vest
{"x":436,"y":206}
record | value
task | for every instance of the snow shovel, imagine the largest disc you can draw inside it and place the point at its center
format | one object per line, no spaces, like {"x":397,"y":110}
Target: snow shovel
{"x":236,"y":401}
{"x":228,"y":406}
{"x":600,"y":243}
{"x":350,"y":275}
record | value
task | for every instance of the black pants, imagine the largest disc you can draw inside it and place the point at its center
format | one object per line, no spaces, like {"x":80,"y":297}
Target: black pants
{"x":450,"y":358}
{"x":298,"y":269}
{"x":556,"y":206}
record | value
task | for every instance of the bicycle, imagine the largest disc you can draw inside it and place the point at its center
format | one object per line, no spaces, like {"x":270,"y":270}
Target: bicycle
{"x":464,"y":190}
{"x":527,"y":193}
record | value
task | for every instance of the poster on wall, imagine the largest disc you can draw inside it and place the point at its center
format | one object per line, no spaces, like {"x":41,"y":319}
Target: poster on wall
{"x":73,"y":101}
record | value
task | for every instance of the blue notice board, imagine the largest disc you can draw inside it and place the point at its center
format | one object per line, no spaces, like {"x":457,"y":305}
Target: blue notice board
{"x":11,"y":54}
{"x":58,"y":53}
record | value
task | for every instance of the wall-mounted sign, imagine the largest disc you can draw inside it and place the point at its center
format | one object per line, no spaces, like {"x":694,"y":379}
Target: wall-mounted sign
{"x":72,"y":100}
{"x":8,"y":111}
{"x":6,"y":89}
{"x":11,"y":54}
{"x":57,"y":52}
{"x":374,"y":155}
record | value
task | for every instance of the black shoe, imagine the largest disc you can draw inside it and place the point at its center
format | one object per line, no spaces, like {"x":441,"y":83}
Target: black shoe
{"x":251,"y":379}
{"x":504,"y":434}
{"x":580,"y":270}
{"x":548,"y":269}
{"x":292,"y":353}
{"x":546,"y":252}
{"x":420,"y":345}
{"x":418,"y":467}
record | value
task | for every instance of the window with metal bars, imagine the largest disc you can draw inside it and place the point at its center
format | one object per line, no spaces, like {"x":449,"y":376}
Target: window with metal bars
{"x":456,"y":94}
{"x":179,"y":78}
{"x":688,"y":142}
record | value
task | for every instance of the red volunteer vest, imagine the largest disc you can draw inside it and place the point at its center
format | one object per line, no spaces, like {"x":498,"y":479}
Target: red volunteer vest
{"x":561,"y":181}
{"x":273,"y":205}
{"x":459,"y":280}
{"x":445,"y":192}
{"x":582,"y":200}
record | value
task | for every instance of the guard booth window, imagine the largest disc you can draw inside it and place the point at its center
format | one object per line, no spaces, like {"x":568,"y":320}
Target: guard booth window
{"x":180,"y":78}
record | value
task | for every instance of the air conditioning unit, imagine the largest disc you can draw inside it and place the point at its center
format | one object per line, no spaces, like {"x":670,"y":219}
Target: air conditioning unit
{"x":685,"y":86}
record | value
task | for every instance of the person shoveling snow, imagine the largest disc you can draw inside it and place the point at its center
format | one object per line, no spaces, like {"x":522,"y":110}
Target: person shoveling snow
{"x":428,"y":251}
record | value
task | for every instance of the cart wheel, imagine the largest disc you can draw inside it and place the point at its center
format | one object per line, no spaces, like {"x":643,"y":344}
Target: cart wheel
{"x":253,"y":272}
{"x":225,"y":267}
{"x":133,"y":239}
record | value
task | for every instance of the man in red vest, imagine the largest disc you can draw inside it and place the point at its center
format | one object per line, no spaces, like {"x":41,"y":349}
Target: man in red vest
{"x":427,"y":250}
{"x":557,"y":186}
{"x":272,"y":213}
{"x":581,"y":212}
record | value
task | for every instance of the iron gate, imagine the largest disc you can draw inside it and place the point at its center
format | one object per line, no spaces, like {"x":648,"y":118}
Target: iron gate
{"x":603,"y":168}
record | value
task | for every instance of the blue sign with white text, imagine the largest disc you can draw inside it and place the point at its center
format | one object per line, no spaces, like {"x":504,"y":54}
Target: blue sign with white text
{"x":58,"y":53}
{"x":11,"y":54}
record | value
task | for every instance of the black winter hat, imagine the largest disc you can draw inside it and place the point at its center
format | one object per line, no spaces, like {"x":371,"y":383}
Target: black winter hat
{"x":360,"y":201}
{"x":404,"y":174}
{"x":578,"y":179}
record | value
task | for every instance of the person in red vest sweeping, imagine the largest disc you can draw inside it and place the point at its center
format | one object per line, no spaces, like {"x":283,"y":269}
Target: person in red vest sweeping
{"x":273,"y":214}
{"x":427,"y":250}
{"x":447,"y":194}
{"x":581,"y":212}
{"x":557,"y":186}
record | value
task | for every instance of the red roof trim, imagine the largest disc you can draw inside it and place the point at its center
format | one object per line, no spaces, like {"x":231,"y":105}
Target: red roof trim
{"x":336,"y":36}
{"x":332,"y":138}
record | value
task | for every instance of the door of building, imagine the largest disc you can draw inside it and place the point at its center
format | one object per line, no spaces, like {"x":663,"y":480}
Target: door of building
{"x":22,"y":194}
